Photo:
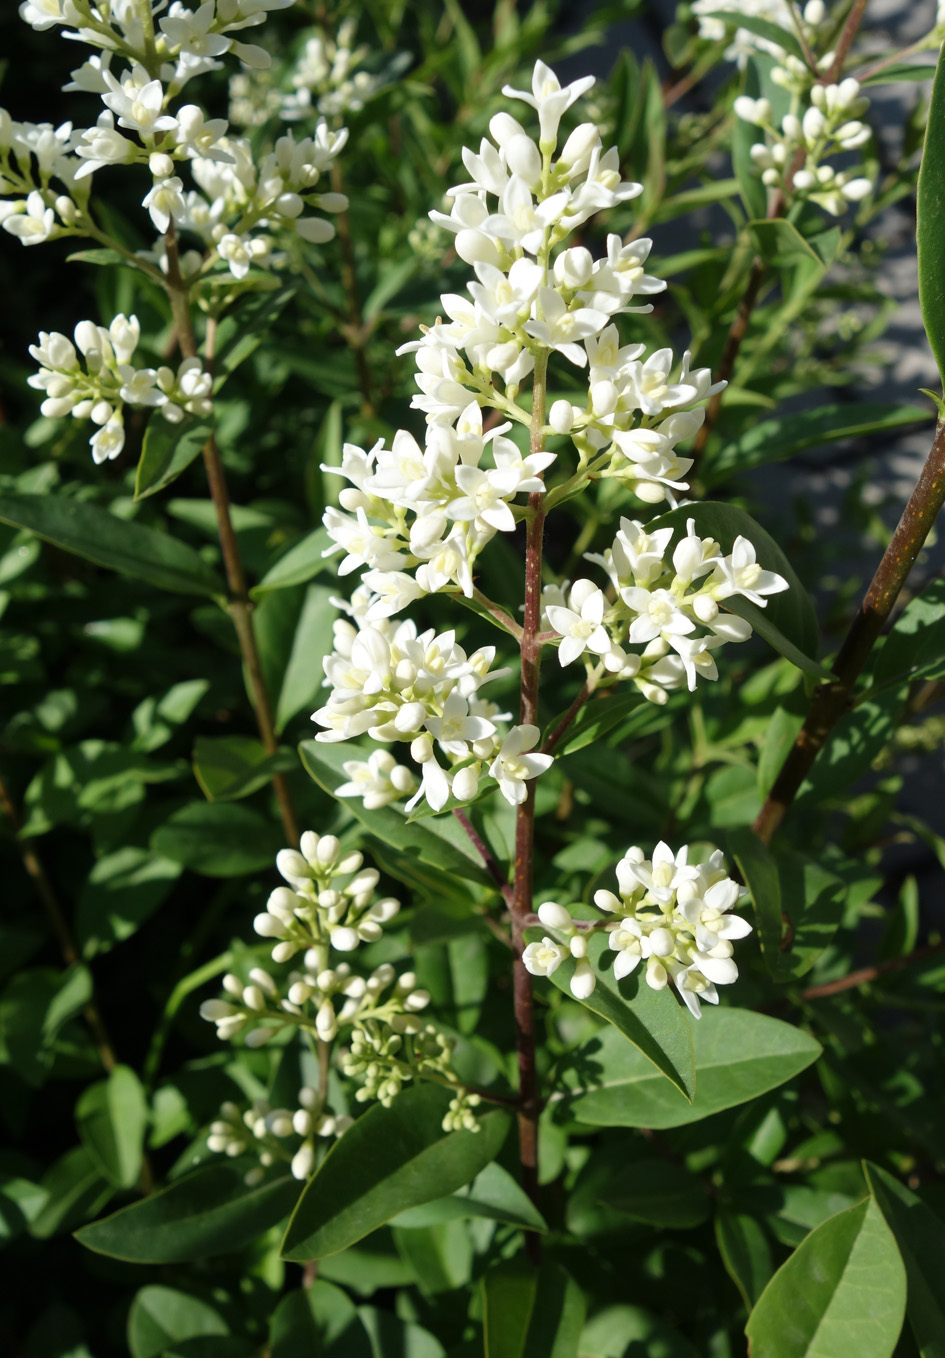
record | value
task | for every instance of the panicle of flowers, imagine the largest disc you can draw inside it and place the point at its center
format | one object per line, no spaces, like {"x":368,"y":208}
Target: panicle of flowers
{"x":420,"y":689}
{"x":668,"y":606}
{"x":825,"y":120}
{"x":240,"y":210}
{"x":185,"y":41}
{"x":104,"y":381}
{"x":670,"y":913}
{"x":277,"y":1134}
{"x":326,"y":78}
{"x":329,"y":906}
{"x":746,"y":43}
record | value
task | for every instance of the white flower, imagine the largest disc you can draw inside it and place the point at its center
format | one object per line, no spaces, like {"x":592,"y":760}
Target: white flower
{"x":549,"y":99}
{"x":513,"y":766}
{"x":544,"y":958}
{"x":102,"y":145}
{"x":36,"y":224}
{"x":561,"y":328}
{"x":580,"y":624}
{"x":164,"y":201}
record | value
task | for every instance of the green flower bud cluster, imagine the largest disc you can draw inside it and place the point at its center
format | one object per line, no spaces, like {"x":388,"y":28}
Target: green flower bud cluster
{"x":273,"y":1134}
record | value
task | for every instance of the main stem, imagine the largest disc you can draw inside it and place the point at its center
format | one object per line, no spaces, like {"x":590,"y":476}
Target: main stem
{"x":530,"y":649}
{"x":831,"y":701}
{"x":239,"y":603}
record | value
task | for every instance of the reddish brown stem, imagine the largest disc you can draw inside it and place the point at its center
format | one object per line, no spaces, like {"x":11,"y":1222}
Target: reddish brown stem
{"x":845,"y":41}
{"x":832,"y":700}
{"x":530,"y":650}
{"x":866,"y":975}
{"x":555,"y":737}
{"x":239,"y":603}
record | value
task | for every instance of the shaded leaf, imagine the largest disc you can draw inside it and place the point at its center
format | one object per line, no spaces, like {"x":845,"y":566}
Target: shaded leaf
{"x":531,"y":1313}
{"x":229,"y":767}
{"x":391,"y":1159}
{"x":211,"y":1211}
{"x":99,"y":536}
{"x":493,"y":1194}
{"x":659,"y":1193}
{"x":299,"y":564}
{"x":111,"y":1117}
{"x":168,"y":450}
{"x":162,"y":1317}
{"x":218,"y":839}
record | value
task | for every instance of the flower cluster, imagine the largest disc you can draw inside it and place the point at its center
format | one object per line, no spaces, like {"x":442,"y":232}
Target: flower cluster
{"x":668,"y":608}
{"x":325,"y":79}
{"x":329,"y":905}
{"x":329,"y":902}
{"x":746,"y":43}
{"x":668,"y":912}
{"x":274,"y":1134}
{"x":421,"y":689}
{"x":431,"y":510}
{"x":109,"y":381}
{"x":186,"y":41}
{"x":831,"y":123}
{"x":240,"y":209}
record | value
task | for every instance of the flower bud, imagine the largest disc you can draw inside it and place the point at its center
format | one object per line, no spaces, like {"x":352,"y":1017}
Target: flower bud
{"x":160,"y":165}
{"x":303,"y":1162}
{"x":561,"y":417}
{"x":554,"y":916}
{"x":345,"y":939}
{"x":583,"y":981}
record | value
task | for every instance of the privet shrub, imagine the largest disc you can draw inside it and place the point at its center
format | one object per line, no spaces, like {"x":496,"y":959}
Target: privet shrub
{"x":451,"y":902}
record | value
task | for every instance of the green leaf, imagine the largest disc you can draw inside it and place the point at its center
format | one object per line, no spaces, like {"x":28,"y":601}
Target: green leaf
{"x":601,"y":715}
{"x":33,"y":1007}
{"x":301,"y":688}
{"x":781,"y":731}
{"x":843,"y":1290}
{"x":531,"y":1313}
{"x":218,"y":839}
{"x":660,"y":1194}
{"x":764,"y":28}
{"x":738,"y":1055}
{"x":632,"y":1332}
{"x":774,"y":440}
{"x":388,"y":1335}
{"x":168,"y":450}
{"x":441,"y":844}
{"x":651,"y":1019}
{"x":816,"y":898}
{"x":920,"y":1236}
{"x":760,"y":874}
{"x":244,"y":328}
{"x":901,"y":71}
{"x":853,"y":744}
{"x":230,"y":767}
{"x":211,"y":1211}
{"x":915,"y":648}
{"x":779,"y":242}
{"x":74,"y":1189}
{"x":299,"y":564}
{"x":788,"y":621}
{"x":111,"y":1117}
{"x":391,"y":1159}
{"x":493,"y":1194}
{"x":440,"y":1255}
{"x":321,"y":1319}
{"x":746,"y":1253}
{"x":99,"y":536}
{"x":121,"y":892}
{"x":930,"y":222}
{"x":162,"y":1317}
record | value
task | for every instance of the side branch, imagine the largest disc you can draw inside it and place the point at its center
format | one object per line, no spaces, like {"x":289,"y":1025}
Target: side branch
{"x":831,"y":701}
{"x":239,"y":603}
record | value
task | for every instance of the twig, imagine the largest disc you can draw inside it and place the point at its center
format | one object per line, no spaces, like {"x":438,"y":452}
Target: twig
{"x":485,"y":853}
{"x":845,"y":42}
{"x":590,"y":684}
{"x":866,"y":975}
{"x":831,"y":701}
{"x":239,"y":603}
